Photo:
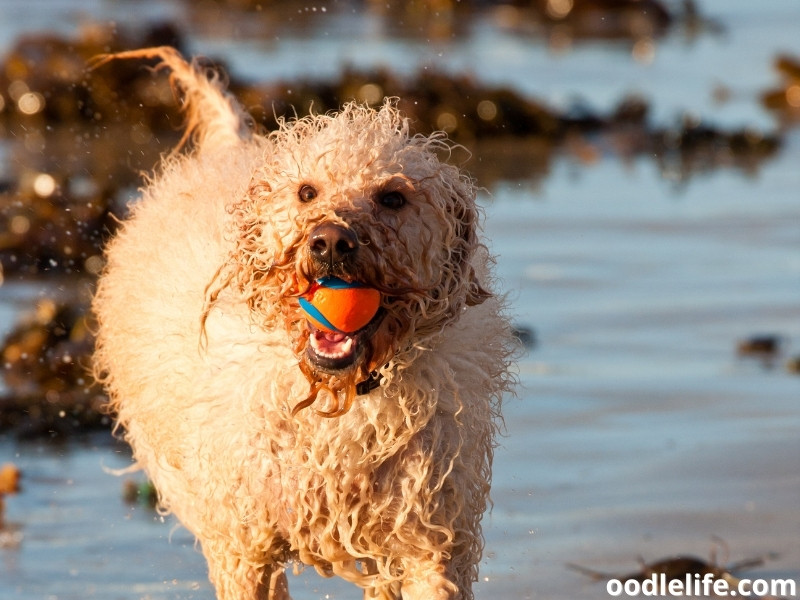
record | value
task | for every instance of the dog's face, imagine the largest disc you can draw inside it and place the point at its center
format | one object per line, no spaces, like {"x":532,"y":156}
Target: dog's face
{"x":355,"y":197}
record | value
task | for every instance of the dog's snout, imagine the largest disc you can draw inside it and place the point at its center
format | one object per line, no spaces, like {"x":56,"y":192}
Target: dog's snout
{"x":330,"y":243}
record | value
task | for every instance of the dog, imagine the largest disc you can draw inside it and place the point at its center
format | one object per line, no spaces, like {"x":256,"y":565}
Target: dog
{"x":365,"y":455}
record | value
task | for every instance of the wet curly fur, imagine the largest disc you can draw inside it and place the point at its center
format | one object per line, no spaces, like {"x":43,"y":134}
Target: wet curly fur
{"x":268,"y":455}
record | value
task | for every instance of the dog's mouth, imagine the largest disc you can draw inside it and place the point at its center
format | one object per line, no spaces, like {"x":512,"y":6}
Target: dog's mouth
{"x":336,"y":352}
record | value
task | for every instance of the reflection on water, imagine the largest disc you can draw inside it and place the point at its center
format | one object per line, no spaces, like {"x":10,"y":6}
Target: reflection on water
{"x":640,"y":427}
{"x":74,"y":529}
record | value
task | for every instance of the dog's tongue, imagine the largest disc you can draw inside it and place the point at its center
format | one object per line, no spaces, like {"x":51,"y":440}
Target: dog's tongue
{"x":331,"y":344}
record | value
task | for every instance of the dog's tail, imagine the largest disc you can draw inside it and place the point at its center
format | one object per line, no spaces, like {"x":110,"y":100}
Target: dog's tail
{"x":214,"y":117}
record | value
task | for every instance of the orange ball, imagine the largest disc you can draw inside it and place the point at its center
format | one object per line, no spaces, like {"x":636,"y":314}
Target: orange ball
{"x":340,"y":306}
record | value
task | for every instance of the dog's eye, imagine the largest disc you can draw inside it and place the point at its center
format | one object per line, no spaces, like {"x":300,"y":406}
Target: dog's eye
{"x":393,"y":200}
{"x":307,"y":193}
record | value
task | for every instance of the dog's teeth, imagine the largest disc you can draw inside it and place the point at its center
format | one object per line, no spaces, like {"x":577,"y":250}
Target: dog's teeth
{"x":331,"y":345}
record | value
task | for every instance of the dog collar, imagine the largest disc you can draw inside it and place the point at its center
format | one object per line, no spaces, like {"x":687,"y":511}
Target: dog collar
{"x":369,"y":384}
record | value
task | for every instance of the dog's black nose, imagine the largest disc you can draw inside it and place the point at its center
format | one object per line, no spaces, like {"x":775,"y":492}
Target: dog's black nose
{"x":330,"y":243}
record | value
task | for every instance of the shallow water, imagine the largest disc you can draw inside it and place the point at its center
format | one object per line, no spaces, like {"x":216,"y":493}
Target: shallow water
{"x":636,"y":431}
{"x":639,"y":431}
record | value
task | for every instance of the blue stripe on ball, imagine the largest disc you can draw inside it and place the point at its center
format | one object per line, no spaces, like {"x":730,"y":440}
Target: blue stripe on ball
{"x":315,"y":314}
{"x":335,"y":283}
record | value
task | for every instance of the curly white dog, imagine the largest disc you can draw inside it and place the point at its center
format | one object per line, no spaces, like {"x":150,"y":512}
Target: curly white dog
{"x":366,"y":455}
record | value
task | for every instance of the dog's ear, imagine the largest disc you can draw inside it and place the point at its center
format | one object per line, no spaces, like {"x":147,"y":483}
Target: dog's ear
{"x":466,"y":243}
{"x":476,"y":293}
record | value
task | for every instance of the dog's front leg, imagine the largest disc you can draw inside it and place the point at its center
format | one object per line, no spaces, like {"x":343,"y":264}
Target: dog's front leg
{"x":429,"y":585}
{"x":380,"y":592}
{"x":274,"y":585}
{"x":383,"y":593}
{"x":235,"y":578}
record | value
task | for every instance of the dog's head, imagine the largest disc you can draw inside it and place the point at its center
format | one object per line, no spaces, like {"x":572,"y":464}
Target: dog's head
{"x":355,"y":196}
